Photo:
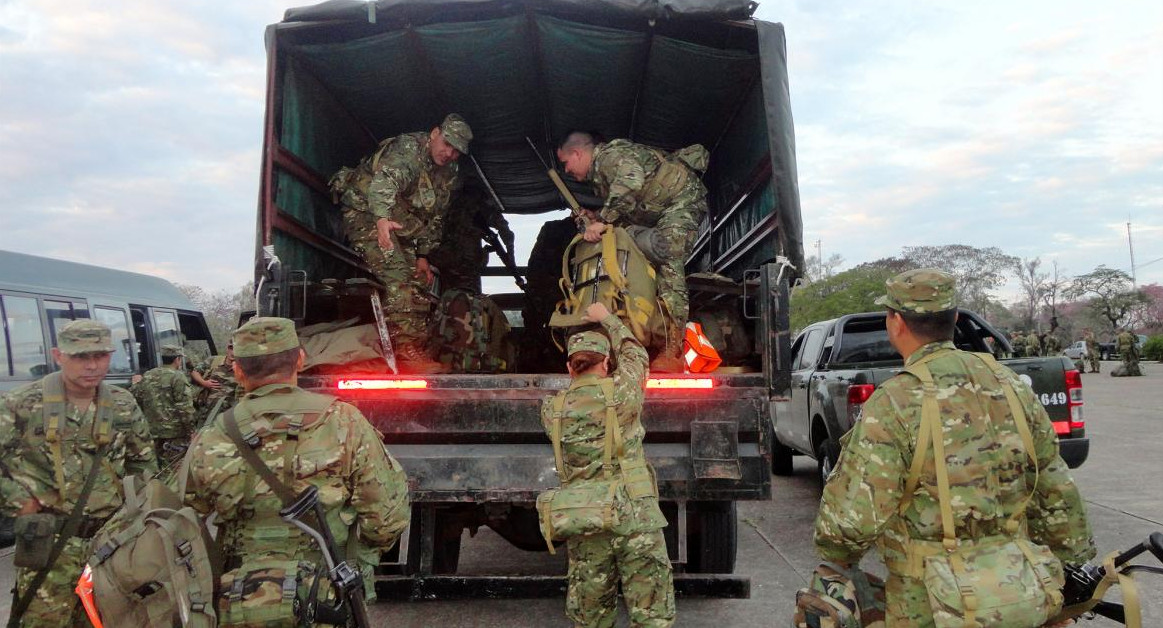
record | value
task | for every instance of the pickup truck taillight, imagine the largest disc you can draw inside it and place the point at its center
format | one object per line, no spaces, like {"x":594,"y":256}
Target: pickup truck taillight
{"x":381,"y":384}
{"x":1074,"y":399}
{"x":857,"y":395}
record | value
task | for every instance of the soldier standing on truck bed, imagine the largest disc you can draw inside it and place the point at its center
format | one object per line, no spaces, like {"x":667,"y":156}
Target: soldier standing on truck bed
{"x":304,"y":439}
{"x":400,"y":193}
{"x":660,"y":200}
{"x":167,"y":401}
{"x":59,"y":436}
{"x":990,"y":494}
{"x":633,"y":554}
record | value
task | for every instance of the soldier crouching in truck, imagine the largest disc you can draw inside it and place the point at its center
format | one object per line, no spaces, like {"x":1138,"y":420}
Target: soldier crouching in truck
{"x":399,"y":194}
{"x":660,"y":200}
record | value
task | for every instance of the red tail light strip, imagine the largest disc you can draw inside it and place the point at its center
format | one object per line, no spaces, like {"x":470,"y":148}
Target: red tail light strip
{"x":381,"y":384}
{"x":703,"y":383}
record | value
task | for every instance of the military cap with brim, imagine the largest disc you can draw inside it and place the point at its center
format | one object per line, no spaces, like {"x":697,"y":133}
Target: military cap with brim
{"x":920,"y":291}
{"x":264,"y":335}
{"x":172,"y":352}
{"x":588,"y":341}
{"x":85,"y":336}
{"x":456,"y":132}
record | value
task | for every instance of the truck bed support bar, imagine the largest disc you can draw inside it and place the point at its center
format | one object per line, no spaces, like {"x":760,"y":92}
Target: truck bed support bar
{"x":413,"y":588}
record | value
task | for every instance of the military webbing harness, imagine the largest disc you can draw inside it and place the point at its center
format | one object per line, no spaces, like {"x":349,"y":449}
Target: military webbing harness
{"x":931,"y":432}
{"x":54,"y":412}
{"x":612,"y":449}
{"x":246,"y":442}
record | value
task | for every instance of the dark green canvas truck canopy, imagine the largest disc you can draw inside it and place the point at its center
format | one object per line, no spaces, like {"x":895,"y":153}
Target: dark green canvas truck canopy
{"x":664,"y":73}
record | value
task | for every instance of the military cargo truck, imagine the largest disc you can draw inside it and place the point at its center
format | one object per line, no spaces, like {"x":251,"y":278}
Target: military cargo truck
{"x":344,"y":75}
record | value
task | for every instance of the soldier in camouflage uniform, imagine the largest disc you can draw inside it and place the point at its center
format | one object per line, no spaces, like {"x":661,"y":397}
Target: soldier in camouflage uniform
{"x":985,"y":456}
{"x":401,"y":192}
{"x":307,"y":440}
{"x":219,"y":388}
{"x":1092,"y":356}
{"x":1129,"y":352}
{"x":462,"y":256}
{"x":167,"y":401}
{"x":1052,"y":346}
{"x":1018,"y":342}
{"x":45,"y":459}
{"x":1033,"y":344}
{"x":660,"y":200}
{"x":634,"y":555}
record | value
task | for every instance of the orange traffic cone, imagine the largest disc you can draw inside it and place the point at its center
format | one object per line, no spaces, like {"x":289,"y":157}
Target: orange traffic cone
{"x":700,"y":355}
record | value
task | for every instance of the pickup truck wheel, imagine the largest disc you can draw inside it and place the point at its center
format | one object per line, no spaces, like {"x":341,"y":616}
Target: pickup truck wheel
{"x":712,"y":537}
{"x":827,"y":453}
{"x":781,"y":457}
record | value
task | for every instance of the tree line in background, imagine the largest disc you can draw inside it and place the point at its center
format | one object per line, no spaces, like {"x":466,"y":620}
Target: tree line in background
{"x":1103,"y":299}
{"x":221,"y":309}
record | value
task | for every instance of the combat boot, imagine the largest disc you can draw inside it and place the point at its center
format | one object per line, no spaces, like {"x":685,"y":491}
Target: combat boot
{"x":413,"y":360}
{"x":669,"y":360}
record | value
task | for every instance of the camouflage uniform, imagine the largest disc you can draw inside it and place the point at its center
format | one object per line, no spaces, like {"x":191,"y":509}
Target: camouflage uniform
{"x":985,"y":458}
{"x":1052,"y":345}
{"x":461,"y":255}
{"x":335,"y":449}
{"x":401,"y":182}
{"x":663,"y":221}
{"x":218,"y":369}
{"x":27,"y":469}
{"x":167,"y":401}
{"x":633,"y":555}
{"x":1033,"y":345}
{"x":1018,"y":342}
{"x":1092,"y":354}
{"x":1129,"y":352}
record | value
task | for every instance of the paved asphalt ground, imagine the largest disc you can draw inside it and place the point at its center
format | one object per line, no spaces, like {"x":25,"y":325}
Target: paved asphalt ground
{"x":1121,"y":482}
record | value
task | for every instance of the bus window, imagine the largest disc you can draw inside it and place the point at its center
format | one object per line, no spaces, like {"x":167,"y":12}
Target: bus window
{"x":165,"y":329}
{"x":145,"y":360}
{"x":115,"y":319}
{"x":25,"y":338}
{"x":61,"y":313}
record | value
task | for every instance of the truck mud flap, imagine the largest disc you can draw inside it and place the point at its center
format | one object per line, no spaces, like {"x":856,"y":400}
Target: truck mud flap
{"x":419,"y":588}
{"x":715,"y":450}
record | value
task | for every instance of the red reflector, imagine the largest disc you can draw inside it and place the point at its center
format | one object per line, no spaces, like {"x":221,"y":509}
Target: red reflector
{"x":1061,"y":427}
{"x":381,"y":384}
{"x":684,"y":382}
{"x":859,"y":393}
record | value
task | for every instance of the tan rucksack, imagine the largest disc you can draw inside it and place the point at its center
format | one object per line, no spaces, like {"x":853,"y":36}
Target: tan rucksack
{"x":613,"y":272}
{"x":154,"y":563}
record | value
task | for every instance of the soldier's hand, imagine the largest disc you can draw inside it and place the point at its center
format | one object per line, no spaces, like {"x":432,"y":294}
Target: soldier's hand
{"x":596,"y":312}
{"x":594,"y":231}
{"x":423,"y":269}
{"x":136,"y":378}
{"x":212,"y":385}
{"x":384,"y":229}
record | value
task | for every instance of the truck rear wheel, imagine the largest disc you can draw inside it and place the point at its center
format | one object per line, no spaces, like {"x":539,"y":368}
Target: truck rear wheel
{"x":827,"y":454}
{"x":712,"y":537}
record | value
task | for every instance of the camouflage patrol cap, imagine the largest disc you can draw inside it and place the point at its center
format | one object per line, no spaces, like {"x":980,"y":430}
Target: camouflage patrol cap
{"x":264,"y":335}
{"x":456,"y":132}
{"x":172,"y":352}
{"x":588,"y":341}
{"x":85,"y":336}
{"x":921,"y":291}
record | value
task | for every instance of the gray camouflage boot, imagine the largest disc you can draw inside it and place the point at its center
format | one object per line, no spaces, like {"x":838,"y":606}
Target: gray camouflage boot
{"x":414,"y":360}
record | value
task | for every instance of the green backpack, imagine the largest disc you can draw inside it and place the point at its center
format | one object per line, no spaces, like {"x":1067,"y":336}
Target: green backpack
{"x":470,"y":332}
{"x":154,"y":563}
{"x":840,"y":598}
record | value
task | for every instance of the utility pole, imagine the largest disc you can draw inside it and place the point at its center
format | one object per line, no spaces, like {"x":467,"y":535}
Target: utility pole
{"x":1131,"y":246}
{"x":820,"y":260}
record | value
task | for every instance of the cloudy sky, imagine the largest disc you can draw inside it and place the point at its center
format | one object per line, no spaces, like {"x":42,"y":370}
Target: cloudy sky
{"x":130,"y":132}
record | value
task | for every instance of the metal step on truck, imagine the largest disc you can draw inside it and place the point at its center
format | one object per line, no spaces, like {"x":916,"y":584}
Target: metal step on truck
{"x":344,"y":75}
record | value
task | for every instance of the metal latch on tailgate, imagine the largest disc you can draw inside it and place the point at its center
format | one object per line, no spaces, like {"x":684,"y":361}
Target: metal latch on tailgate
{"x":715,"y":450}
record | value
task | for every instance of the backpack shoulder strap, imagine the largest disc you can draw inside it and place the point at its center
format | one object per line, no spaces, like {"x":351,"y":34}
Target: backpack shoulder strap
{"x":1019,"y":414}
{"x":53,"y":413}
{"x":615,"y":447}
{"x":103,"y":420}
{"x":931,"y":423}
{"x":555,"y":433}
{"x":253,"y":459}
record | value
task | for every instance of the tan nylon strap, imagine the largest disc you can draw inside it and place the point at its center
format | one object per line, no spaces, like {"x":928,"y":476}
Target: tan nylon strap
{"x":610,"y":259}
{"x":930,"y":413}
{"x":53,"y":410}
{"x":1019,"y":414}
{"x":555,"y":435}
{"x":567,"y":285}
{"x":1134,"y":613}
{"x":923,"y":438}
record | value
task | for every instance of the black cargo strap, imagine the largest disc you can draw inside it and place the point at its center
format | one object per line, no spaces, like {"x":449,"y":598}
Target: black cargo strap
{"x":68,"y":531}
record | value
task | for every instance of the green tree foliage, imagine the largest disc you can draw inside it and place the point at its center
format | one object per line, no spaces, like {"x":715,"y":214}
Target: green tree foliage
{"x":1109,"y":295}
{"x":977,"y":271}
{"x":849,"y":292}
{"x":1153,"y":348}
{"x":221,"y":309}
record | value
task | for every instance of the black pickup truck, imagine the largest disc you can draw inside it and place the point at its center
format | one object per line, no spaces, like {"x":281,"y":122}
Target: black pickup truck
{"x":837,"y":364}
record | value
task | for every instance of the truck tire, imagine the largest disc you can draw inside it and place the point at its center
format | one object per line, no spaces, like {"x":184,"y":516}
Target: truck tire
{"x":827,"y":454}
{"x":712,"y":537}
{"x":781,"y":457}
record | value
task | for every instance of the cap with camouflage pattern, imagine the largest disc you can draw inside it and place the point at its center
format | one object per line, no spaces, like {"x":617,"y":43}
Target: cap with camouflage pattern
{"x":456,"y":132}
{"x":172,"y":352}
{"x":85,"y":336}
{"x":264,"y":335}
{"x":921,"y":291}
{"x":588,"y":341}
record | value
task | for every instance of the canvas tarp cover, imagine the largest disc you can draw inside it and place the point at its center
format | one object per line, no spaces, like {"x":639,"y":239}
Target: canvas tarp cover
{"x":535,"y":75}
{"x":358,"y":9}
